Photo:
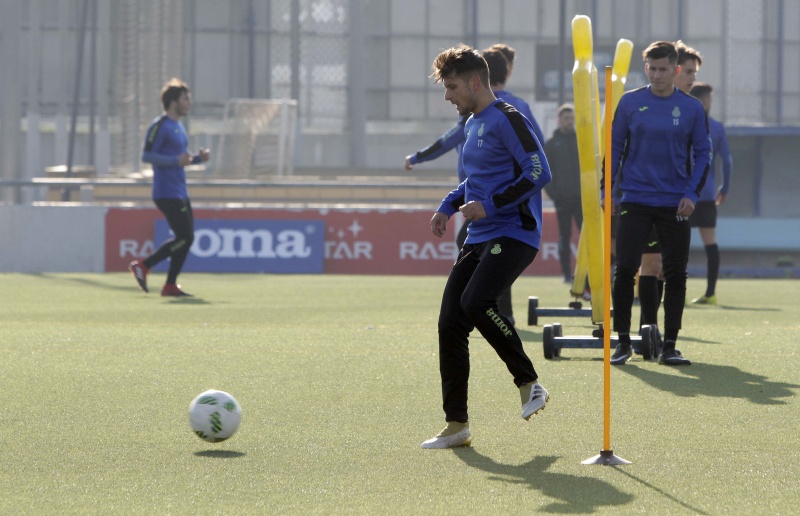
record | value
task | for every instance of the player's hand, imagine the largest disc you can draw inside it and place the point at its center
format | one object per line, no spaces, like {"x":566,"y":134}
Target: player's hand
{"x":185,"y":159}
{"x":721,"y":198}
{"x":685,"y":207}
{"x":473,"y":210}
{"x":204,"y":154}
{"x":439,"y":224}
{"x":408,"y":164}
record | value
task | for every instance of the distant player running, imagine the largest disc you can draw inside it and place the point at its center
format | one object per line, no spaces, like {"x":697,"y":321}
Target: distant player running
{"x":165,"y":147}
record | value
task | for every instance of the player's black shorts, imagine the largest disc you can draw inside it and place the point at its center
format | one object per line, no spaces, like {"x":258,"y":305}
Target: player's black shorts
{"x":652,"y":246}
{"x":704,"y":215}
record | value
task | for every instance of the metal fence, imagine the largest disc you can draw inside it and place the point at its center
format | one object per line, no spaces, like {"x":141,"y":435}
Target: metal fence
{"x":356,"y":67}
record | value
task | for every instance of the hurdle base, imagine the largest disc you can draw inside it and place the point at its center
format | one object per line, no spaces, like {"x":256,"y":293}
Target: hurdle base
{"x":606,"y":458}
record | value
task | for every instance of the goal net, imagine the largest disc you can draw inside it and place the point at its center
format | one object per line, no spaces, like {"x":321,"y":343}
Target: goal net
{"x":256,"y":138}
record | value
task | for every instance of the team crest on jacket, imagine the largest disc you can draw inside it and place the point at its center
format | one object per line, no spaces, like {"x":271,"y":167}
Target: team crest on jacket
{"x":480,"y":129}
{"x":676,"y":113}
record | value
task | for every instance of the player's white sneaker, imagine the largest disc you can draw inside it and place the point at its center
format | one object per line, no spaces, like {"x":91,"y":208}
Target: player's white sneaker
{"x":454,"y":434}
{"x":534,"y":397}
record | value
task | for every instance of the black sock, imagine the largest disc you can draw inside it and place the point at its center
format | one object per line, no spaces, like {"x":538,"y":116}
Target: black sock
{"x":648,"y":299}
{"x":712,"y":254}
{"x":625,"y":339}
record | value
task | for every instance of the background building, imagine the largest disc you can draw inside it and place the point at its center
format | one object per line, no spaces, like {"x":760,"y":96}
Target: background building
{"x":358,"y":70}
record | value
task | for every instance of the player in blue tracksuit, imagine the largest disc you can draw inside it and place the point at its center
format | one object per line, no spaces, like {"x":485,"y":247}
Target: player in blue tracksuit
{"x":705,"y":214}
{"x":452,"y":139}
{"x":501,"y":197}
{"x":500,"y":59}
{"x":165,"y":148}
{"x":661,"y":153}
{"x":499,"y":73}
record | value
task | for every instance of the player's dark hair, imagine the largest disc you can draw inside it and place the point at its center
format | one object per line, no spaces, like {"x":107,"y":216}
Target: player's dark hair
{"x":507,"y":51}
{"x":462,"y":61}
{"x":685,"y":52}
{"x":701,"y":89}
{"x":498,"y":66}
{"x":172,"y":91}
{"x":660,"y":50}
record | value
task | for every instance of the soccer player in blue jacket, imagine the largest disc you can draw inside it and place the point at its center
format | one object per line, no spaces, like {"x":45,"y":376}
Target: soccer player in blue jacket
{"x":651,"y":278}
{"x":501,"y":197}
{"x":500,"y":58}
{"x":661,"y":153}
{"x":705,"y":214}
{"x":165,"y":147}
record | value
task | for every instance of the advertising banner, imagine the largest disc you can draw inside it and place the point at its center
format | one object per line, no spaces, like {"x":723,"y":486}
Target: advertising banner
{"x":356,"y":241}
{"x":279,"y":246}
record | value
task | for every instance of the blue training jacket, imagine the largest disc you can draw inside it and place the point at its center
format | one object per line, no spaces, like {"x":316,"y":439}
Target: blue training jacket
{"x":506,"y":170}
{"x":719,"y":143}
{"x":654,"y":142}
{"x":164,"y":142}
{"x":455,"y":136}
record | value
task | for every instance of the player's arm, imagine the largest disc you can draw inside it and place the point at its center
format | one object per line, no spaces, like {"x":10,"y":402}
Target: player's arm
{"x":519,"y":139}
{"x":444,"y":144}
{"x":724,"y":153}
{"x":620,"y":136}
{"x":154,"y":143}
{"x":552,"y":186}
{"x":449,"y":205}
{"x":701,"y":153}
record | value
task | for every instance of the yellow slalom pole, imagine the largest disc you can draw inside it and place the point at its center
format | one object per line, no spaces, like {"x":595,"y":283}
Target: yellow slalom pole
{"x":619,"y":76}
{"x":607,"y":456}
{"x":584,"y":86}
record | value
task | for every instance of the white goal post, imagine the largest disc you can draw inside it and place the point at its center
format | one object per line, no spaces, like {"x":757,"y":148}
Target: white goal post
{"x":257,"y":138}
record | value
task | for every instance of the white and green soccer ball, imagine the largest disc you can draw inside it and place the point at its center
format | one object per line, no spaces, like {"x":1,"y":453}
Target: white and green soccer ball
{"x":214,"y":415}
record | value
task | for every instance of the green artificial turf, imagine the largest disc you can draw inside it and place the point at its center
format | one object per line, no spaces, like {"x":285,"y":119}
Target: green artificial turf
{"x":338,"y":381}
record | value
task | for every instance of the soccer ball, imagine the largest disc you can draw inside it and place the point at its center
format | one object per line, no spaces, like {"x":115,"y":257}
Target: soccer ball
{"x":214,"y":415}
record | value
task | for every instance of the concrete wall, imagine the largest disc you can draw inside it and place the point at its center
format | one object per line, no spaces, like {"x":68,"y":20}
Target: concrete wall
{"x":52,"y":239}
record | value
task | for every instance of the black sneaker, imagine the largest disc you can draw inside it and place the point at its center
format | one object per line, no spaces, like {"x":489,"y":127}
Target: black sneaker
{"x":621,"y":355}
{"x":673,"y":357}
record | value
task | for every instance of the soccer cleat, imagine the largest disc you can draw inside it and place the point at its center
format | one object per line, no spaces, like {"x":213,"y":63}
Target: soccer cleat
{"x":622,"y":354}
{"x":139,"y":272}
{"x":673,"y":357}
{"x":533,"y":397}
{"x":703,"y":300}
{"x":173,"y":290}
{"x":453,"y":435}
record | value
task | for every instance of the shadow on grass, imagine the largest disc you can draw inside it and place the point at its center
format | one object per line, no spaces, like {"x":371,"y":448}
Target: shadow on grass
{"x":735,"y":308}
{"x":572,"y":494}
{"x":132,"y":288}
{"x":220,"y":454}
{"x":188,"y":301}
{"x":87,"y":281}
{"x":661,"y":492}
{"x":715,"y":381}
